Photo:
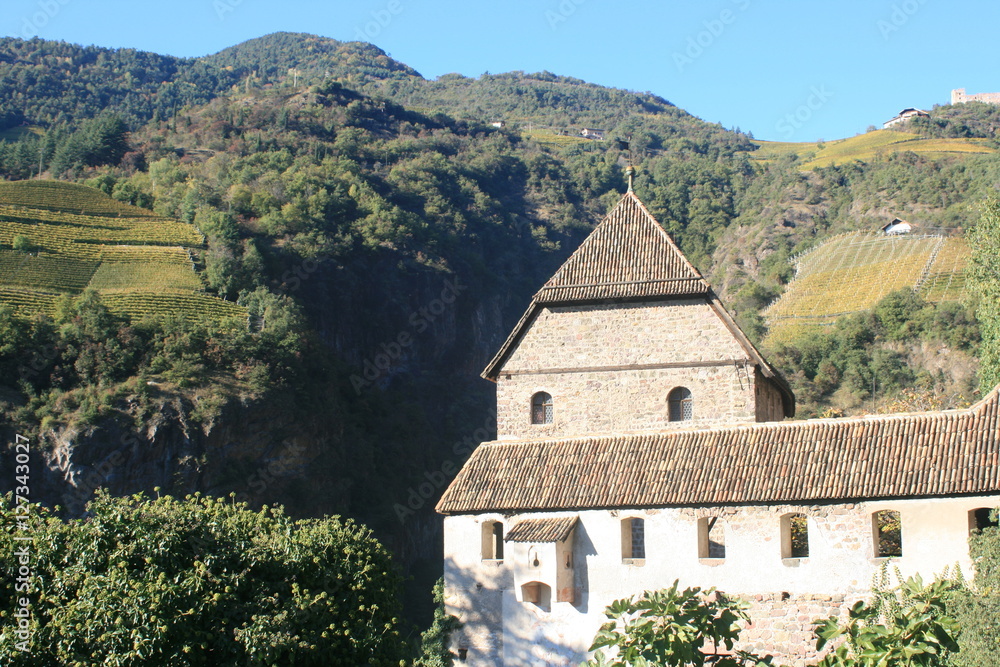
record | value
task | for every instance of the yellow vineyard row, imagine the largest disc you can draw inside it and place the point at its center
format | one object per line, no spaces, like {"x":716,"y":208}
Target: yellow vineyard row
{"x":69,"y":197}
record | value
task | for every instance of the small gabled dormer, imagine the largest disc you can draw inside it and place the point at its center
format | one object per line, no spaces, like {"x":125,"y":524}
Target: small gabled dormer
{"x":540,"y":558}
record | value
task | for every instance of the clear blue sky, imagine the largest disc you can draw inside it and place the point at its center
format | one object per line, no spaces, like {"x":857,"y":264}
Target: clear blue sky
{"x":796,"y":71}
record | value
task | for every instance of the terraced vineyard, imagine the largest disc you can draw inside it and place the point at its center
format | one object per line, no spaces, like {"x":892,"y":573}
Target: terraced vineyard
{"x":68,"y":197}
{"x":178,"y":304}
{"x":44,"y":271}
{"x":866,"y":147}
{"x":145,"y":268}
{"x":945,"y":279}
{"x":27,"y":302}
{"x":852,"y":272}
{"x":140,"y":262}
{"x":81,"y":236}
{"x":554,"y":138}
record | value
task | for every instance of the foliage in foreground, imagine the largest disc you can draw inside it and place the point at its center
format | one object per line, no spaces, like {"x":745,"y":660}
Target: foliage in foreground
{"x":913,"y":630}
{"x":984,"y":240}
{"x":434,"y":641}
{"x":199,"y":581}
{"x":906,"y":626}
{"x":672,"y":627}
{"x":977,"y":607}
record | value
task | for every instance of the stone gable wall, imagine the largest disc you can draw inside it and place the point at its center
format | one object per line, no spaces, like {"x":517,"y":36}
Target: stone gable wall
{"x":592,"y":403}
{"x":624,"y":334}
{"x":582,"y":341}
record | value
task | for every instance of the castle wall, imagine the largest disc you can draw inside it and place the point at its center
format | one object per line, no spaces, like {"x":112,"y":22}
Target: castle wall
{"x":959,"y":96}
{"x":786,"y":594}
{"x":611,"y":367}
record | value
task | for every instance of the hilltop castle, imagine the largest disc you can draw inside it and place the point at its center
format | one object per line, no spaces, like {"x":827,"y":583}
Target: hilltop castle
{"x":640,"y":441}
{"x":959,"y":96}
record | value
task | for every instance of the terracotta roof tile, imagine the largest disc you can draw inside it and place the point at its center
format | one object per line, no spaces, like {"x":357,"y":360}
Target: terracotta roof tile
{"x":542,"y":530}
{"x":628,"y":255}
{"x":911,"y":455}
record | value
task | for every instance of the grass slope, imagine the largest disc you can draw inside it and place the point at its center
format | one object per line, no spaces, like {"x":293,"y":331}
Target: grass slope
{"x":866,"y":147}
{"x":852,"y":272}
{"x":138,"y":261}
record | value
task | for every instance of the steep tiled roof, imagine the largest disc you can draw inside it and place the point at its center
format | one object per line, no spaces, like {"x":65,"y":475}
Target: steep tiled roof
{"x":628,"y":255}
{"x":912,"y":455}
{"x":542,"y":530}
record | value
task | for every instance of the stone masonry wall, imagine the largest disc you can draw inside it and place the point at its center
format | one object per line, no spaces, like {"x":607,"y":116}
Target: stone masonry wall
{"x":592,"y":403}
{"x":782,"y":625}
{"x":624,"y":334}
{"x":580,"y":342}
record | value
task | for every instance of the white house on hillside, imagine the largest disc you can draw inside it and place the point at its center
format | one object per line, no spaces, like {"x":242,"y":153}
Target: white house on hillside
{"x":904,"y":115}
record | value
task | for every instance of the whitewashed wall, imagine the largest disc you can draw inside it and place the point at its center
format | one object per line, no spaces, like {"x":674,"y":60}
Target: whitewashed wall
{"x":787,"y":594}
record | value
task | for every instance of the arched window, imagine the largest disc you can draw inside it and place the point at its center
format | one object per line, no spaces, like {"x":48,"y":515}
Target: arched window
{"x":680,"y":404}
{"x":633,"y":539}
{"x":887,"y":534}
{"x":537,"y":593}
{"x":794,"y":536}
{"x":541,"y":408}
{"x":711,"y":539}
{"x":982,"y":517}
{"x":492,"y":540}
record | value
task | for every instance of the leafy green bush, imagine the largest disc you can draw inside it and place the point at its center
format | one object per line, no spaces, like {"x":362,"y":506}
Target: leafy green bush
{"x":672,"y":628}
{"x":199,"y":581}
{"x":434,"y":641}
{"x":908,"y":629}
{"x":22,"y":243}
{"x":984,"y":239}
{"x":977,"y":607}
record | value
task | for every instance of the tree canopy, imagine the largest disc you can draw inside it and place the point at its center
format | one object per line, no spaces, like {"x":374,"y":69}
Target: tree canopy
{"x":198,"y":581}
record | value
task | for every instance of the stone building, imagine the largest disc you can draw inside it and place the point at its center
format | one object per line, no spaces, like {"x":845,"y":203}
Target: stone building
{"x":959,"y":96}
{"x":640,"y":442}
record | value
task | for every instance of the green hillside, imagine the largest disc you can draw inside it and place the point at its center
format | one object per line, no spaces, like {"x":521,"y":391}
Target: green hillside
{"x":867,"y":147}
{"x":58,"y":238}
{"x":852,"y":272}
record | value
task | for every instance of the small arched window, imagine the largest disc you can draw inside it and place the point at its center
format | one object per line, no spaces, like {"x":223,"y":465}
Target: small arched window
{"x":711,"y":539}
{"x":492,"y":540}
{"x":887,"y":533}
{"x":794,"y":536}
{"x":983,"y":517}
{"x":537,"y":593}
{"x":541,"y":408}
{"x":633,"y":539}
{"x":680,"y":404}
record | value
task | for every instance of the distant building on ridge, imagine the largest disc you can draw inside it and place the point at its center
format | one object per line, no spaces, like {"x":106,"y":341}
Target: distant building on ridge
{"x":959,"y":96}
{"x":904,"y":115}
